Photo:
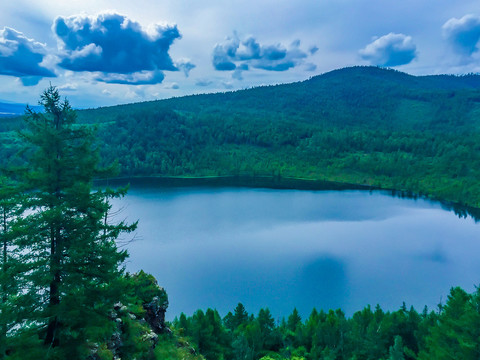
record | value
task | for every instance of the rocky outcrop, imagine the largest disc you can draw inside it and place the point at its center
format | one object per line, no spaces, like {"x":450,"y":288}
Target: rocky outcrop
{"x":155,"y":314}
{"x":146,"y":313}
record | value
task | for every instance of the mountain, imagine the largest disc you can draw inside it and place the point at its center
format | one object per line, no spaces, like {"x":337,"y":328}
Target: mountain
{"x":360,"y":125}
{"x":8,"y":109}
{"x":367,"y":95}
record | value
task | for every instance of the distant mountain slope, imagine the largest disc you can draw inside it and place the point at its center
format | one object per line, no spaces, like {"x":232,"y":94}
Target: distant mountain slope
{"x":360,"y":125}
{"x":7,"y":109}
{"x":359,"y":95}
{"x":12,"y":109}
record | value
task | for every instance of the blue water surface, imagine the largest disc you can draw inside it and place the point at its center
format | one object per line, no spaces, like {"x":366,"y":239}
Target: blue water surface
{"x":211,"y":247}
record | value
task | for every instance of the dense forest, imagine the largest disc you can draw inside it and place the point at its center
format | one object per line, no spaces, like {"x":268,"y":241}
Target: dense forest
{"x":451,"y":332}
{"x":361,"y":125}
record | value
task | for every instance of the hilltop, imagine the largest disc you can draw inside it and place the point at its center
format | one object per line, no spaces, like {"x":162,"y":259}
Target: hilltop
{"x":357,"y":95}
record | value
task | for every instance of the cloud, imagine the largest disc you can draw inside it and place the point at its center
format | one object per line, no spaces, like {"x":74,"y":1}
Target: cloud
{"x":224,"y":54}
{"x":390,"y":50}
{"x":119,"y":48}
{"x":313,"y":49}
{"x":227,"y":84}
{"x":173,"y":86}
{"x":22,"y":57}
{"x":203,"y":82}
{"x":137,"y":78}
{"x":237,"y":74}
{"x":463,"y":34}
{"x":243,"y":55}
{"x":185,"y":65}
{"x":68,"y":87}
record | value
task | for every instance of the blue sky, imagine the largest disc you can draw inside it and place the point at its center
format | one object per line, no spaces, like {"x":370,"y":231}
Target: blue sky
{"x":109,"y":52}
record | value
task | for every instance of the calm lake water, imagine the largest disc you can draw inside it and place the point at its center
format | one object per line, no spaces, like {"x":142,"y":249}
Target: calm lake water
{"x":211,"y":247}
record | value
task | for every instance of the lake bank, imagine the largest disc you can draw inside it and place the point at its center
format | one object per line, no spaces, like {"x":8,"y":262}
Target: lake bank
{"x":279,"y":183}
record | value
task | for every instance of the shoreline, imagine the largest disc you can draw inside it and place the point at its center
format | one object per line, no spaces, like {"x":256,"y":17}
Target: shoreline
{"x":278,"y":183}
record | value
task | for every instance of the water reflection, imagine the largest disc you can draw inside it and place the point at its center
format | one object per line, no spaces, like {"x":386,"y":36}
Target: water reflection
{"x":284,"y":249}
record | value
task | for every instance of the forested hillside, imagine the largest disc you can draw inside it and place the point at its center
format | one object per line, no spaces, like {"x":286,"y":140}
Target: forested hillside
{"x":360,"y":125}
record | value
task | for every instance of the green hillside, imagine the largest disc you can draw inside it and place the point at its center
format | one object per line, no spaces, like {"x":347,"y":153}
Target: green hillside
{"x":360,"y":125}
{"x":352,"y":96}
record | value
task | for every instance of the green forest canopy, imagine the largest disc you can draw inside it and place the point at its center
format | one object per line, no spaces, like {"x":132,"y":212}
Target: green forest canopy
{"x":369,"y":334}
{"x":359,"y":125}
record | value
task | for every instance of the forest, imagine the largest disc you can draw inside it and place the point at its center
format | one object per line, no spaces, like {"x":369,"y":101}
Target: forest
{"x":450,"y":332}
{"x":362,"y":125}
{"x":64,"y":292}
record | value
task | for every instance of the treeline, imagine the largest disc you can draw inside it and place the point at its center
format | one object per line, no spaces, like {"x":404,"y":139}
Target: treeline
{"x":451,"y":332}
{"x":442,"y":165}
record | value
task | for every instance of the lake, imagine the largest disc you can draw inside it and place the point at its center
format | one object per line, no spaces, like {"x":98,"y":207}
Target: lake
{"x":216,"y":247}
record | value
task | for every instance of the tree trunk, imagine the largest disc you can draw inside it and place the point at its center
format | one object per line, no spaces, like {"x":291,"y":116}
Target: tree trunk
{"x":55,"y":258}
{"x":3,"y":326}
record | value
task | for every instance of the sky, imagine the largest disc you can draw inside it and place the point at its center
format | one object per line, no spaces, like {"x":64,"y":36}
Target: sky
{"x":101,"y":53}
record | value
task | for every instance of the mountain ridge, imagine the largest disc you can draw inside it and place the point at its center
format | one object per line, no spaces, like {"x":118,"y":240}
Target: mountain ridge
{"x":351,"y":92}
{"x":11,"y":109}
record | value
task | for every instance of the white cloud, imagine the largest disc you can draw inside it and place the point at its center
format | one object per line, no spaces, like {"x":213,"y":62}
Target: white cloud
{"x":22,"y":57}
{"x":390,"y":50}
{"x":68,"y":87}
{"x":331,"y":31}
{"x":203,"y":82}
{"x":121,"y":49}
{"x":463,"y":34}
{"x":243,"y":55}
{"x":136,"y":78}
{"x":173,"y":86}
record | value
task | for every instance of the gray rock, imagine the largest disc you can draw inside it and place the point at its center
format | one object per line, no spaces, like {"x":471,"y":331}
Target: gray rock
{"x":155,"y":314}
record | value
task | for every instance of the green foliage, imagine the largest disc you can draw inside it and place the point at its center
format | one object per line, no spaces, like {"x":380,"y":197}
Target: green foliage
{"x":141,"y":288}
{"x":9,"y":254}
{"x":362,"y":125}
{"x":136,"y":339}
{"x":59,"y":266}
{"x":456,"y":333}
{"x":63,"y":291}
{"x":74,"y":261}
{"x":396,"y":351}
{"x":59,"y":248}
{"x":453,"y":333}
{"x":166,"y":349}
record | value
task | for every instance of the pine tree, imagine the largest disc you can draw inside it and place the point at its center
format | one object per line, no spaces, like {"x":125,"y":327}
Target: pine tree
{"x":456,"y":333}
{"x":9,"y":211}
{"x":74,"y":273}
{"x":396,"y":350}
{"x":240,"y":316}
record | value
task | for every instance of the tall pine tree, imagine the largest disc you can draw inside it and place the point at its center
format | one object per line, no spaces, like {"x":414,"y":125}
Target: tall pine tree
{"x":74,"y":273}
{"x":10,"y":210}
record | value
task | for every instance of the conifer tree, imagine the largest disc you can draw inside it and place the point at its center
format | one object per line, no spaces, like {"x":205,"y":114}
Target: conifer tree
{"x":9,"y":211}
{"x":456,"y":333}
{"x":74,"y":266}
{"x":396,"y":350}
